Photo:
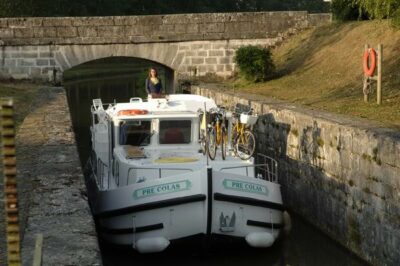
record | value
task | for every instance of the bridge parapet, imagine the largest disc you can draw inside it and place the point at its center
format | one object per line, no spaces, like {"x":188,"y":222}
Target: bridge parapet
{"x":34,"y":47}
{"x":155,"y":28}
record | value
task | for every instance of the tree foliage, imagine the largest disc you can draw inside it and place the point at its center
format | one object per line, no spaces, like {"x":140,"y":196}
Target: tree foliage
{"x":378,"y":8}
{"x":15,"y":8}
{"x":367,"y":9}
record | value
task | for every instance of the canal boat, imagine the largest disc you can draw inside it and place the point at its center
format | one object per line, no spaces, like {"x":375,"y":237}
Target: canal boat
{"x":149,"y":183}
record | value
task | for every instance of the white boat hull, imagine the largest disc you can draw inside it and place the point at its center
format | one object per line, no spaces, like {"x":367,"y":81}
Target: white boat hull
{"x":149,"y":215}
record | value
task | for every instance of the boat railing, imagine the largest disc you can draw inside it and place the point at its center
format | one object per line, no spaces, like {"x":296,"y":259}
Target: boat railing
{"x":102,"y":174}
{"x":266,"y":169}
{"x":103,"y":107}
{"x":99,"y":106}
{"x":269,"y":169}
{"x":159,"y":171}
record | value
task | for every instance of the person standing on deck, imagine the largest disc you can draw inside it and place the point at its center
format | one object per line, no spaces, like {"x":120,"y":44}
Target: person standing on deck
{"x":153,"y":84}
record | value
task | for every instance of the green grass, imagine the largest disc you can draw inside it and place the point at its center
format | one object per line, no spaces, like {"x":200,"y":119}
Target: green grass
{"x":321,"y":68}
{"x":23,"y":95}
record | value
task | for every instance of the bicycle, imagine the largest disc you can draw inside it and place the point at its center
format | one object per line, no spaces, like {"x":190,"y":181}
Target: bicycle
{"x":217,"y":133}
{"x":243,"y":141}
{"x":203,"y":135}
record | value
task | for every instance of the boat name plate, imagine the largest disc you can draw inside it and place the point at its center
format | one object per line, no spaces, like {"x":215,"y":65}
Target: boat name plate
{"x":245,"y":186}
{"x":162,"y":189}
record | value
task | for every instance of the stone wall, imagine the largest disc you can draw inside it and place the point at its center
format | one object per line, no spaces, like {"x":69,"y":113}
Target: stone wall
{"x":318,"y":19}
{"x":191,"y":44}
{"x":51,"y":187}
{"x":156,"y":28}
{"x":341,"y":174}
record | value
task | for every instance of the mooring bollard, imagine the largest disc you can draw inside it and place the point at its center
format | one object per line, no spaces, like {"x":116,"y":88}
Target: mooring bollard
{"x":10,"y":182}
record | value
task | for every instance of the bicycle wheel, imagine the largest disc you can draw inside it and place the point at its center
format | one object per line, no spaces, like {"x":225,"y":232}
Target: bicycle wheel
{"x":245,"y":145}
{"x":224,"y":141}
{"x":212,"y":143}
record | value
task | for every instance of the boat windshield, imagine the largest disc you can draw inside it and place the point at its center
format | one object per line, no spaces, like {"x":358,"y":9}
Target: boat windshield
{"x":175,"y":131}
{"x":135,"y":133}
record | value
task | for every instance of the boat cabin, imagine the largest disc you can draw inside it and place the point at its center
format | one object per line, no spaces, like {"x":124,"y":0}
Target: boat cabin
{"x":162,"y":134}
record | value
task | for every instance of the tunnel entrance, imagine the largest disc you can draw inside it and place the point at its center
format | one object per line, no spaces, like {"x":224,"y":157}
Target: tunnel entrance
{"x":111,"y":79}
{"x":120,"y":78}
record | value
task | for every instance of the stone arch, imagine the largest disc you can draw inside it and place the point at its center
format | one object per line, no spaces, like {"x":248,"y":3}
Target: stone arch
{"x":167,"y":77}
{"x":68,"y":56}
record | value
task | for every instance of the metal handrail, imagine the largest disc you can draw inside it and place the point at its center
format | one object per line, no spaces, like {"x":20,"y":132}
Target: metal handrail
{"x":104,"y":105}
{"x":242,"y":166}
{"x":271,"y":169}
{"x":267,"y":170}
{"x":160,"y":169}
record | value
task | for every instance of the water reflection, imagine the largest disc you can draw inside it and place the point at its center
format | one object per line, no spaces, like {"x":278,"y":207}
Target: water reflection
{"x":304,"y":246}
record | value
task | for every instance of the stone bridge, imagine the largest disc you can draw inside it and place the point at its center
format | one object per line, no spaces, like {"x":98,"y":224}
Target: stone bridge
{"x":189,"y":44}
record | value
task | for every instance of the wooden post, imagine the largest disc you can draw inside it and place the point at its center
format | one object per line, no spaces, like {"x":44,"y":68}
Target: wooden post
{"x":37,"y":256}
{"x":379,"y":78}
{"x":10,"y":181}
{"x":366,"y":95}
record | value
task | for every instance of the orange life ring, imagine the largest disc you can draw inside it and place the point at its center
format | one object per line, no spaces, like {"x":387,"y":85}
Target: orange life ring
{"x":133,"y":112}
{"x":369,"y":69}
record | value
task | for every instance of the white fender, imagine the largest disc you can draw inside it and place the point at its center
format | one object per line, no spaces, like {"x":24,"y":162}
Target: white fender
{"x":150,"y":245}
{"x":260,"y":239}
{"x":287,"y":223}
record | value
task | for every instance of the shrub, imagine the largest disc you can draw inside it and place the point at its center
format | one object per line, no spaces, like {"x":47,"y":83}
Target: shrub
{"x":255,"y":62}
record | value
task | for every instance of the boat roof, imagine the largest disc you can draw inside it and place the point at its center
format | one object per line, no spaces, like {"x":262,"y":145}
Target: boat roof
{"x":173,"y":105}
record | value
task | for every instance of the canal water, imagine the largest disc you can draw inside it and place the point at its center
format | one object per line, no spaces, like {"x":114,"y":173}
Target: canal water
{"x":119,"y":79}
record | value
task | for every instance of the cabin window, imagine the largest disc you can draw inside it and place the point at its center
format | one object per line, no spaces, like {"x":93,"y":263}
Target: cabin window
{"x":135,"y":133}
{"x":175,"y":131}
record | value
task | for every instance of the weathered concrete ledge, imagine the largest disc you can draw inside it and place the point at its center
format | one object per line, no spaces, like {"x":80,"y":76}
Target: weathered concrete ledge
{"x":341,"y":174}
{"x":51,"y":187}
